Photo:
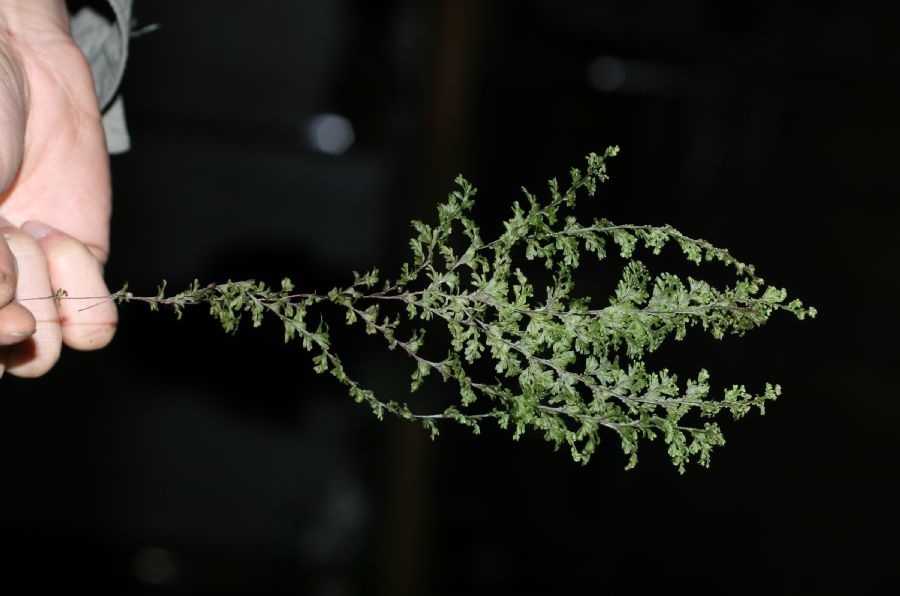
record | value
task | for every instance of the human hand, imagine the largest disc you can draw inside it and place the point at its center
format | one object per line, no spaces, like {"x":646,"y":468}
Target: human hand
{"x":55,"y":193}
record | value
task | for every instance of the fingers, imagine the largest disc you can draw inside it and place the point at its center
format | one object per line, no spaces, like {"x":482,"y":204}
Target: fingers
{"x":36,"y":355}
{"x":7,"y":269}
{"x":86,"y":324}
{"x":16,"y":322}
{"x":35,"y":261}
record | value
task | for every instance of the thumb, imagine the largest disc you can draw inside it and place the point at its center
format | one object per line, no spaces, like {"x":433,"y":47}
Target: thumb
{"x":16,"y":322}
{"x":8,"y":268}
{"x":13,"y":114}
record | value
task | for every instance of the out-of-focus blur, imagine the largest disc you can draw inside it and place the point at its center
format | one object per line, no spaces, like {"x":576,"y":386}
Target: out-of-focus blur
{"x":297,"y":139}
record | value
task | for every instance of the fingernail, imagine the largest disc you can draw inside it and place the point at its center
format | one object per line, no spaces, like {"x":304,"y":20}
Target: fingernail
{"x":37,"y":230}
{"x":11,"y":339}
{"x":17,"y":334}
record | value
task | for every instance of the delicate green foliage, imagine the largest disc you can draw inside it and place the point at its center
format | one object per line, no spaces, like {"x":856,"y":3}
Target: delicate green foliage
{"x":561,"y":365}
{"x":59,"y":294}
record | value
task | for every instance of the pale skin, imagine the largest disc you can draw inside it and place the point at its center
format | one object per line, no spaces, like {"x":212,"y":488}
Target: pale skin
{"x":55,"y":194}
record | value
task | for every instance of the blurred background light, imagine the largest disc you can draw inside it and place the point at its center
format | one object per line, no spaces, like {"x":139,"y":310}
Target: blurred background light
{"x":330,"y":133}
{"x":607,"y":73}
{"x":154,"y":566}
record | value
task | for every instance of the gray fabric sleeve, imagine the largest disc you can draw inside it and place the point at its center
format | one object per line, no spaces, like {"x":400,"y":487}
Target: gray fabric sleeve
{"x":105,"y":44}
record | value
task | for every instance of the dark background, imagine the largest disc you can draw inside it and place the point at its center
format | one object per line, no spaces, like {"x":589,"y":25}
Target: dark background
{"x":183,"y":461}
